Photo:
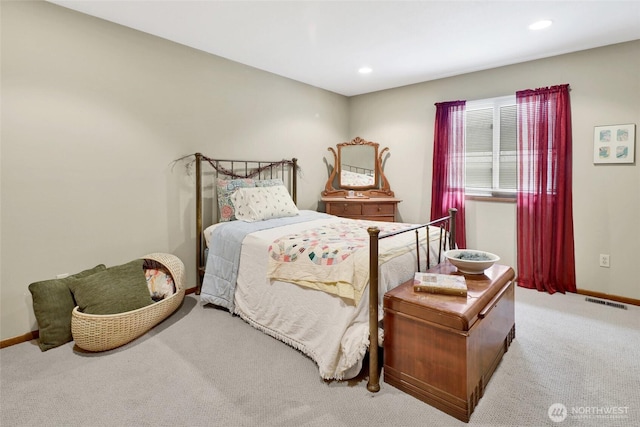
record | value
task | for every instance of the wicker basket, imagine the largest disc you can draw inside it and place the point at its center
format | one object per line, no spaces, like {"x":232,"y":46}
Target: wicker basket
{"x":93,"y":332}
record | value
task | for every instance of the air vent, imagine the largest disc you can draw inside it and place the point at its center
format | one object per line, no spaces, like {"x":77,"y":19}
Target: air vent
{"x":609,"y":303}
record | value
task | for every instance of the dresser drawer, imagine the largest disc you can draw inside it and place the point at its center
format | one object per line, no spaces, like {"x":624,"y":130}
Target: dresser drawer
{"x":387,"y":218}
{"x":342,"y":209}
{"x":373,"y":209}
{"x":379,"y":209}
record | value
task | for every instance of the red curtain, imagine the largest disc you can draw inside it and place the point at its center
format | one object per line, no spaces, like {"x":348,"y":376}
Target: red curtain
{"x":447,"y":185}
{"x":546,"y":259}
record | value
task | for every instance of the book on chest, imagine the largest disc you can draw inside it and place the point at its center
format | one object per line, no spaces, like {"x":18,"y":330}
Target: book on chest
{"x":445,"y":284}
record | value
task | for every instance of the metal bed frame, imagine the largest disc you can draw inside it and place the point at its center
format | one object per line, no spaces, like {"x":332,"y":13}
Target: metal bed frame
{"x":287,"y":170}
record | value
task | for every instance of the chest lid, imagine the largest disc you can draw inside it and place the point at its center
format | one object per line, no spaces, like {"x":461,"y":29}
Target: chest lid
{"x":456,"y":312}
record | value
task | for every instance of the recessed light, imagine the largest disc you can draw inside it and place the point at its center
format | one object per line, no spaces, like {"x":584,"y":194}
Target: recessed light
{"x":365,"y":70}
{"x":539,"y":25}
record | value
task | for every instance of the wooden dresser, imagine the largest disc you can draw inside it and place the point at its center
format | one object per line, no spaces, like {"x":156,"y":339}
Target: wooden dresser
{"x":372,"y":208}
{"x":443,"y":349}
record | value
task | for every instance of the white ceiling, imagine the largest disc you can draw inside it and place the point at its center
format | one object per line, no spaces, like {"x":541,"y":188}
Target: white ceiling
{"x":324,"y":43}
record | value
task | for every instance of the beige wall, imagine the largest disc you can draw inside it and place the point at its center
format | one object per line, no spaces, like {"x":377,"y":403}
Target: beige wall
{"x":93,"y":114}
{"x":605,"y":89}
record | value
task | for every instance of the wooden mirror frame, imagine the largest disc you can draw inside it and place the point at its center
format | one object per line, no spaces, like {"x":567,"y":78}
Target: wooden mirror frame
{"x":381,"y":187}
{"x":359,"y":161}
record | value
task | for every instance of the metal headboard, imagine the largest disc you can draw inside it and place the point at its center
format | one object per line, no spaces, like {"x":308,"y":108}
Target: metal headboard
{"x":285,"y":169}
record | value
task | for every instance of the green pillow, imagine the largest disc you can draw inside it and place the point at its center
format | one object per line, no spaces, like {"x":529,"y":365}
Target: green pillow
{"x":52,"y":305}
{"x":115,"y":290}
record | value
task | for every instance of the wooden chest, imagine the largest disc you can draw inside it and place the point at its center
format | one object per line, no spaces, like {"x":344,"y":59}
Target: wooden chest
{"x":443,"y":349}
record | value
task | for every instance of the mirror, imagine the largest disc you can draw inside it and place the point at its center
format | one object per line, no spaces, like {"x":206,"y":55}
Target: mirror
{"x":357,"y":168}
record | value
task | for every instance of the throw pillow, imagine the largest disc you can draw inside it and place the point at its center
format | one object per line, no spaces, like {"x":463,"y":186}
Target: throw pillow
{"x":260,"y":203}
{"x":269,"y":182}
{"x":52,"y":306}
{"x":115,"y":290}
{"x":225,"y":189}
{"x":160,"y":283}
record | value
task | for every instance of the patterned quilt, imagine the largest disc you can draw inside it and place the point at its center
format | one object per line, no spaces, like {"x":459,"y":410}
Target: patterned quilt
{"x":335,"y":258}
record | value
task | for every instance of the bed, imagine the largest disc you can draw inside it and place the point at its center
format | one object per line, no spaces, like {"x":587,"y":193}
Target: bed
{"x":251,"y":268}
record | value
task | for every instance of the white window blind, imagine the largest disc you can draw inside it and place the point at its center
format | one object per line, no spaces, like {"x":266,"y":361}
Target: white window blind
{"x":490,"y":146}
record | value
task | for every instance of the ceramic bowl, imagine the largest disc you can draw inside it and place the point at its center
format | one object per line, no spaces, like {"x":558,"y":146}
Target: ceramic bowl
{"x":470,"y":261}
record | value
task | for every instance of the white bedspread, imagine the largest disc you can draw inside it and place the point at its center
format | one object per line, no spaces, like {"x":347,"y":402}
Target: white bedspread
{"x":330,"y":330}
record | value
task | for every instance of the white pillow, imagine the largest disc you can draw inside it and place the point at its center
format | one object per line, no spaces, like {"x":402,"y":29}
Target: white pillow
{"x":260,"y":203}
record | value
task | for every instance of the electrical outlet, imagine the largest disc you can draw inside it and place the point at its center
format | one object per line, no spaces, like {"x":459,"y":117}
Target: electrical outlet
{"x":604,"y":260}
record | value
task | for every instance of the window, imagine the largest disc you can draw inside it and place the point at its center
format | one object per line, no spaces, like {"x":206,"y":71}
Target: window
{"x":490,"y":147}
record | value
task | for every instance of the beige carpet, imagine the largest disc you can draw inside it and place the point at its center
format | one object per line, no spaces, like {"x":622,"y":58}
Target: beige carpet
{"x":204,"y":367}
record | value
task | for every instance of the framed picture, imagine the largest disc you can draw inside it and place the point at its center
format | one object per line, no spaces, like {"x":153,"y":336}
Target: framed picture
{"x":614,"y":143}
